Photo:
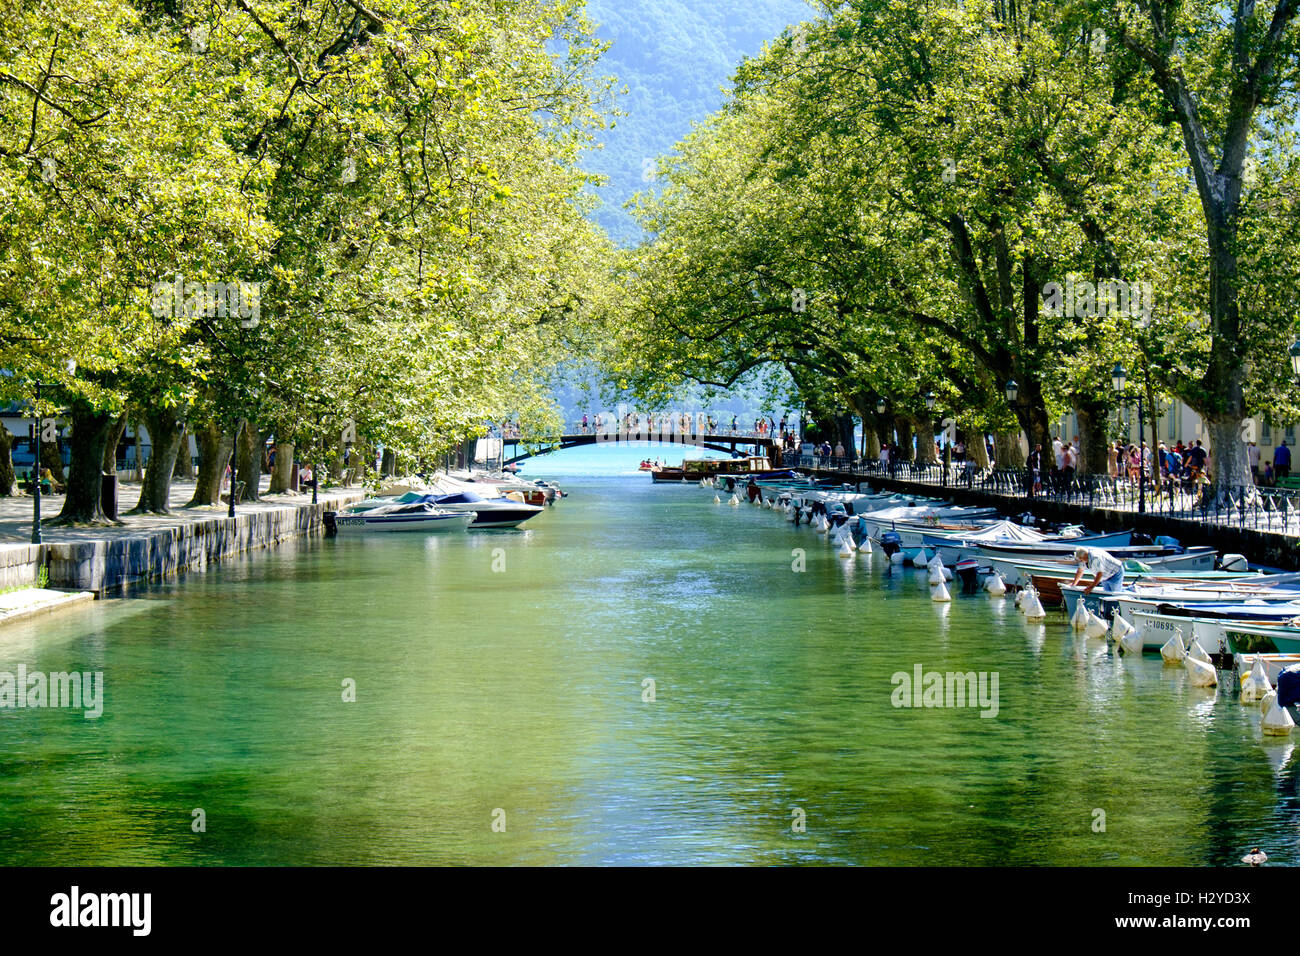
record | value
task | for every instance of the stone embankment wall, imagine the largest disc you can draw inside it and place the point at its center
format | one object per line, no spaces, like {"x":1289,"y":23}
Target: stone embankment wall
{"x":108,"y":563}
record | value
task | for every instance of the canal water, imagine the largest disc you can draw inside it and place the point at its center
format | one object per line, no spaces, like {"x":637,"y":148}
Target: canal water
{"x":504,"y":712}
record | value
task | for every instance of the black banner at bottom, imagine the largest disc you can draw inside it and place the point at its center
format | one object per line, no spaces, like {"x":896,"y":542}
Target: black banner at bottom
{"x":335,"y":905}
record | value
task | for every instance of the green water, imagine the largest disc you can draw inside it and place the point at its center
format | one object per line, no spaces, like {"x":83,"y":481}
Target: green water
{"x":521,"y":690}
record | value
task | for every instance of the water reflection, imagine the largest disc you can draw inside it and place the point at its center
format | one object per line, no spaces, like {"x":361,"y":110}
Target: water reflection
{"x":523,"y":690}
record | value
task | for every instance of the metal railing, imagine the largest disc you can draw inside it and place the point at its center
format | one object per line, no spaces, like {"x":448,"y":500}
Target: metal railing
{"x":1244,"y":506}
{"x":675,"y":428}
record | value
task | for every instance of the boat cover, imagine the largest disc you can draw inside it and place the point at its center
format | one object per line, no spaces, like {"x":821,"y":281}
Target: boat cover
{"x":1288,"y":686}
{"x":1003,"y":531}
{"x":460,"y":498}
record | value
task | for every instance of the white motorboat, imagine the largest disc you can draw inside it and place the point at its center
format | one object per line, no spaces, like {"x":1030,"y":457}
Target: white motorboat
{"x":487,"y":512}
{"x":416,"y":516}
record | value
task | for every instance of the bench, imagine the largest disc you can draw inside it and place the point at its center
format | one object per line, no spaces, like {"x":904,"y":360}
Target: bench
{"x":1290,"y":481}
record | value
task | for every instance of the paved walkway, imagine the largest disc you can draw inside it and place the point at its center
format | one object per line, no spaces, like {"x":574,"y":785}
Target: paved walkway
{"x":16,"y":513}
{"x":27,"y":603}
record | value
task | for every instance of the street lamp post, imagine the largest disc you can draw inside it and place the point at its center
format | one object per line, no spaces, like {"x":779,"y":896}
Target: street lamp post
{"x":881,"y":406}
{"x":315,"y":468}
{"x":1012,"y":389}
{"x":1118,"y":378}
{"x":930,"y":400}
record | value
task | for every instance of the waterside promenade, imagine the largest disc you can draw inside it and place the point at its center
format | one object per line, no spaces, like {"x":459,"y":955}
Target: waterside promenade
{"x":1261,"y":523}
{"x":150,"y":547}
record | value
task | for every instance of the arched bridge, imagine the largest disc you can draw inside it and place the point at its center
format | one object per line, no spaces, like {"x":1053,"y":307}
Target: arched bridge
{"x":725,"y":442}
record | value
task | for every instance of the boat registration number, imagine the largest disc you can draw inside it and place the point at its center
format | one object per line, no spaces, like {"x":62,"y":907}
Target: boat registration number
{"x":354,"y":519}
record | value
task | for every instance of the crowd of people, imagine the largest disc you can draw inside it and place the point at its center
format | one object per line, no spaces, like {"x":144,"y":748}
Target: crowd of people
{"x":1178,"y":466}
{"x":672,"y":423}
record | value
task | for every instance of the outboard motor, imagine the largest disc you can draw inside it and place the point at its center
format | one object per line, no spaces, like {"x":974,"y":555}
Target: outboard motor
{"x":331,"y":526}
{"x":1234,"y":562}
{"x":967,"y":571}
{"x":891,"y":542}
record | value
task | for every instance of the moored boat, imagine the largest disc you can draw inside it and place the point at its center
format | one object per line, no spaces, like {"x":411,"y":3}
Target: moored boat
{"x":409,"y":517}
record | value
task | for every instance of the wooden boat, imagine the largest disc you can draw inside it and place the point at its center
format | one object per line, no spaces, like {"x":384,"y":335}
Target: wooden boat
{"x":1274,"y":664}
{"x":1252,"y":636}
{"x":1157,"y":625}
{"x":1048,"y":577}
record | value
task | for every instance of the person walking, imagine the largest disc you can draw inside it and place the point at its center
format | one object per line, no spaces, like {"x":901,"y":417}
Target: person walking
{"x":1281,"y":461}
{"x":1252,"y":456}
{"x":1034,"y":467}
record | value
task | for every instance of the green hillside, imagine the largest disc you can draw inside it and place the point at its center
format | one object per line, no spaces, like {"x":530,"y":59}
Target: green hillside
{"x":673,"y":57}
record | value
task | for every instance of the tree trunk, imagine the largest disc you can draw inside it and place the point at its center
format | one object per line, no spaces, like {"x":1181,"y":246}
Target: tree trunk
{"x":845,"y":427}
{"x":1228,"y":464}
{"x":83,"y":504}
{"x":214,"y":454}
{"x":389,"y":467}
{"x":6,"y":463}
{"x":925,"y":450}
{"x":184,"y":467}
{"x":976,"y":450}
{"x":870,"y":441}
{"x":249,"y":471}
{"x":165,"y":440}
{"x":1094,"y":444}
{"x":283,"y":469}
{"x":1007,"y":451}
{"x":904,"y":428}
{"x":115,"y":433}
{"x":52,"y":458}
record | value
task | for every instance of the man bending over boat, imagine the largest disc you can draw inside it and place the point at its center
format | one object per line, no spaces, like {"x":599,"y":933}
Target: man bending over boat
{"x":1109,"y":572}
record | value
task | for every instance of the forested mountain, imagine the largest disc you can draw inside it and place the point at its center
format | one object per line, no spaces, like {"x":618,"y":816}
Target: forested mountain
{"x":673,"y":57}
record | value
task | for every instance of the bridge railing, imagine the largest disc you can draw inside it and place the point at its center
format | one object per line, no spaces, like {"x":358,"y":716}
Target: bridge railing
{"x":677,"y":428}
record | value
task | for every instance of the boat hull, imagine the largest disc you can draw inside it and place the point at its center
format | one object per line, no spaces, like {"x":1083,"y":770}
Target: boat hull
{"x":403,"y":524}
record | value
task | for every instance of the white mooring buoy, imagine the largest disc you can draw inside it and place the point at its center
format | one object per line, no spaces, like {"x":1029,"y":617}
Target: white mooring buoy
{"x":1255,"y":685}
{"x":1096,"y":627}
{"x":1032,"y":606}
{"x":1200,"y":673}
{"x":1277,"y":720}
{"x":1174,"y":650}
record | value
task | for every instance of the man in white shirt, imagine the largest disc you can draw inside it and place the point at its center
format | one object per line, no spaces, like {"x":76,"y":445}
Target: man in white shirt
{"x":1252,"y":456}
{"x":1109,"y":572}
{"x":1059,"y":450}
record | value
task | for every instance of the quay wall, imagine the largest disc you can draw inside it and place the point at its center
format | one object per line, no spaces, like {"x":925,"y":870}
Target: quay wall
{"x":107,"y":563}
{"x":1260,"y":547}
{"x":19,"y":565}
